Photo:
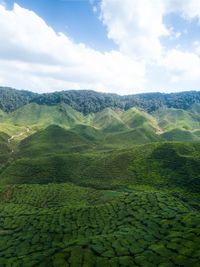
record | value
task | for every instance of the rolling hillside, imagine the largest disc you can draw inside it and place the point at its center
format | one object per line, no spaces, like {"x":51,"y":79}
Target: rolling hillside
{"x":155,"y":164}
{"x":94,"y":180}
{"x":57,"y":143}
{"x":41,"y":115}
{"x":180,"y":135}
{"x":170,"y":118}
{"x":109,"y":121}
{"x":44,"y":141}
{"x":112,"y":124}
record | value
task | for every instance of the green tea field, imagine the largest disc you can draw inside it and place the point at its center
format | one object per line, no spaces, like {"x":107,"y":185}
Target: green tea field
{"x":68,"y":225}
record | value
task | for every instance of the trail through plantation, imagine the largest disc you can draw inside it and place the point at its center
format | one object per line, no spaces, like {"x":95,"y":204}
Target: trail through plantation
{"x":17,"y":136}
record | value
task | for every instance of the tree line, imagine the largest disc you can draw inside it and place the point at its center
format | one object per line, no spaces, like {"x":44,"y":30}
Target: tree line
{"x":88,"y":101}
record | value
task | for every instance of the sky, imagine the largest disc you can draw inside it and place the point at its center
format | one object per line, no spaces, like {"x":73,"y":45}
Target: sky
{"x":118,"y":46}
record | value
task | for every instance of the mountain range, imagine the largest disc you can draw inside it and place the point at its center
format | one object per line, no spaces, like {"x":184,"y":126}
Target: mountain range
{"x":88,"y":101}
{"x":43,"y":127}
{"x":85,"y":175}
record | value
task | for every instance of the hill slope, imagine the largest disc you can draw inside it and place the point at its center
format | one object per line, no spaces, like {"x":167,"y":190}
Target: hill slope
{"x":109,"y":121}
{"x":100,"y":188}
{"x":170,"y":118}
{"x":73,"y":158}
{"x":42,"y":115}
{"x":53,"y":139}
{"x":109,"y":127}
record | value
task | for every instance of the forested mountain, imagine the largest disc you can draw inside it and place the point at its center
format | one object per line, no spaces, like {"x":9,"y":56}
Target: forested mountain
{"x":11,"y":99}
{"x":88,"y":101}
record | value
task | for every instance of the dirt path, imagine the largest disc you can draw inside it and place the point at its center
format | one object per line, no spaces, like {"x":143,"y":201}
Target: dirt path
{"x":159,"y":131}
{"x":16,"y":136}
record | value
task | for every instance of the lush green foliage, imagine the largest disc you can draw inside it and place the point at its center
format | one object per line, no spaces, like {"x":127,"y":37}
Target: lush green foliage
{"x":108,"y":126}
{"x":110,"y":188}
{"x":65,"y":225}
{"x":170,"y":118}
{"x":11,"y":99}
{"x":88,"y":101}
{"x":42,"y":158}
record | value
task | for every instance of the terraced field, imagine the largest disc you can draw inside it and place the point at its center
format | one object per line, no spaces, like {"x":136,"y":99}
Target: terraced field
{"x":114,"y":188}
{"x":66,"y":225}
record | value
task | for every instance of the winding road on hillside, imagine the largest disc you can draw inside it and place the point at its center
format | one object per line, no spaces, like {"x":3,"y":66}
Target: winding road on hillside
{"x":17,"y":136}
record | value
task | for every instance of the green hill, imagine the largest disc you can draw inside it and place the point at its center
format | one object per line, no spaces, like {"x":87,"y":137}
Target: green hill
{"x":2,"y":114}
{"x":5,"y":150}
{"x":136,"y":118}
{"x":4,"y":144}
{"x":112,"y":186}
{"x":88,"y":132}
{"x":169,"y":164}
{"x":53,"y":139}
{"x":72,"y":159}
{"x":197,"y":133}
{"x":44,"y":169}
{"x":139,"y":135}
{"x":109,"y":121}
{"x":34,"y":114}
{"x":3,"y":138}
{"x":180,"y":135}
{"x":195,"y":108}
{"x":170,"y":118}
{"x":110,"y":126}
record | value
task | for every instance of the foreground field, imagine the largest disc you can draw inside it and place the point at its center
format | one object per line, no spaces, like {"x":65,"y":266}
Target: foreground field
{"x":67,"y":225}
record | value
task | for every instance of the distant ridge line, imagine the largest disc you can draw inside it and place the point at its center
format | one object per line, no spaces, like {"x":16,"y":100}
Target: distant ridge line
{"x":89,"y":101}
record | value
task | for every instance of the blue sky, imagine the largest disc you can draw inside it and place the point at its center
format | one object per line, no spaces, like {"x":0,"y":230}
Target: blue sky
{"x":122,"y":46}
{"x":189,"y":30}
{"x":75,"y":18}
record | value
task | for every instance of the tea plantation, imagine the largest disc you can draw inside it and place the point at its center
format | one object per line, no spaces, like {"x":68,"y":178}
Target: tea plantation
{"x":67,"y":225}
{"x":114,"y":188}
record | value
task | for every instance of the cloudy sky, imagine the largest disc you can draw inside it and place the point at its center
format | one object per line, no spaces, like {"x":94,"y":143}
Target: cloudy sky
{"x":121,"y":46}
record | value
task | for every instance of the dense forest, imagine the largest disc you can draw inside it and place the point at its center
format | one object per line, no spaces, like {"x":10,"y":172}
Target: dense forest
{"x":11,"y":99}
{"x":88,"y":101}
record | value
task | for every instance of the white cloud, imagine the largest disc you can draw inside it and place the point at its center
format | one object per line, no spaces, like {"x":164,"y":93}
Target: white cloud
{"x":174,"y":34}
{"x":33,"y":55}
{"x":187,"y":8}
{"x":137,"y":27}
{"x":182,"y":64}
{"x":3,"y":3}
